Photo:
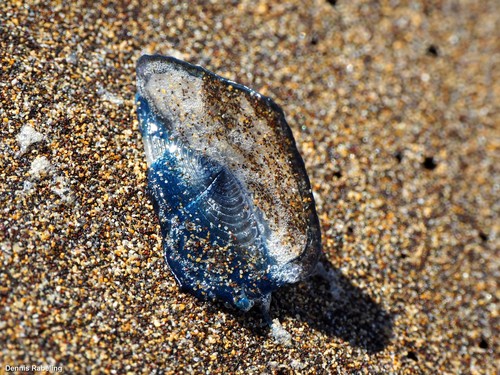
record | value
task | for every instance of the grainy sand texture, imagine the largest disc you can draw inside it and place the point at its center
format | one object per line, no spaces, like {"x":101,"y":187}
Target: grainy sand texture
{"x":395,"y":108}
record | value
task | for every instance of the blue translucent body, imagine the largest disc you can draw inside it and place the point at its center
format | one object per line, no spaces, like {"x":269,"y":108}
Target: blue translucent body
{"x":227,"y":182}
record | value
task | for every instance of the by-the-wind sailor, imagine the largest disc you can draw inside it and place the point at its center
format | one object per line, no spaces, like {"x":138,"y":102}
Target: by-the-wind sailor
{"x":228,"y":185}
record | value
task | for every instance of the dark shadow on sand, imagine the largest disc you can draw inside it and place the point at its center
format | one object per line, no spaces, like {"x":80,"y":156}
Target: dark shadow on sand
{"x":346,"y":312}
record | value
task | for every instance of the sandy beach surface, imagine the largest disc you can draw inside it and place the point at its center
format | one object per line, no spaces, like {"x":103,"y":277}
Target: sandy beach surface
{"x":395,"y":109}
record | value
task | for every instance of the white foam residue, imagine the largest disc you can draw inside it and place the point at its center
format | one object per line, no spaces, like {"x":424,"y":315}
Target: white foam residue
{"x":62,"y":189}
{"x":112,"y":98}
{"x":26,"y":137}
{"x":297,"y":365}
{"x":39,"y":166}
{"x":109,"y":96}
{"x":280,"y":335}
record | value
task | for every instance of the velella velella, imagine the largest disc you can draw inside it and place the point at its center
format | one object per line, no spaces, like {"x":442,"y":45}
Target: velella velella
{"x":228,"y":185}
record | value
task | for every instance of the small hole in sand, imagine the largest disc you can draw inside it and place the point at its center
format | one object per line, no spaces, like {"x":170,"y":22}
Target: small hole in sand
{"x":432,"y":50}
{"x":412,"y":356}
{"x":483,"y":344}
{"x":483,"y":236}
{"x":429,"y":163}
